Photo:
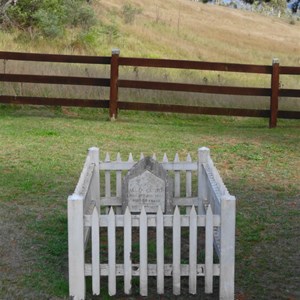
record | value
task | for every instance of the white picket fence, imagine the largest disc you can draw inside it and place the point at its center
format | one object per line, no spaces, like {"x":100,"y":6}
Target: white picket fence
{"x":90,"y":209}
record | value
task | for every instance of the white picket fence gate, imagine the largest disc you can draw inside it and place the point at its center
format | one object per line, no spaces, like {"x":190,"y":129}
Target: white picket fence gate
{"x":89,"y":210}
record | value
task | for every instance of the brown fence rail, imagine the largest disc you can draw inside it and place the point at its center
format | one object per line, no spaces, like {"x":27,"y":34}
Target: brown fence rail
{"x":115,"y":83}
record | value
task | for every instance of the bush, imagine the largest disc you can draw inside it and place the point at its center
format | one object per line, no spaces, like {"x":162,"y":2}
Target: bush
{"x":129,"y":13}
{"x":50,"y":17}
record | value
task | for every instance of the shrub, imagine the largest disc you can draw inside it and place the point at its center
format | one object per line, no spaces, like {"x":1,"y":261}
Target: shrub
{"x":129,"y":12}
{"x":50,"y":17}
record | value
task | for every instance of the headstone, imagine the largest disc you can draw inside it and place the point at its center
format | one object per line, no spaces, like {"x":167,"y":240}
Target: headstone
{"x":147,"y":184}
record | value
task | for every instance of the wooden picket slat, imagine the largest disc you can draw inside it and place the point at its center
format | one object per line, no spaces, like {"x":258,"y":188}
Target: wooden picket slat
{"x":209,"y":251}
{"x":95,"y":252}
{"x":143,"y":253}
{"x":193,"y":252}
{"x":188,"y":183}
{"x":118,"y":184}
{"x":107,"y":178}
{"x":111,"y":232}
{"x":176,"y":251}
{"x":176,"y":178}
{"x":160,"y":250}
{"x":127,"y":252}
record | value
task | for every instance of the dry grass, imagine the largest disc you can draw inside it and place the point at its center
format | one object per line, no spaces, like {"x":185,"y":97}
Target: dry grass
{"x":198,"y":31}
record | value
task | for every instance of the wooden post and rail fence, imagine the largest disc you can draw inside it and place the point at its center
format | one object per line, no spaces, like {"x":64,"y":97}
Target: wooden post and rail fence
{"x":115,"y":83}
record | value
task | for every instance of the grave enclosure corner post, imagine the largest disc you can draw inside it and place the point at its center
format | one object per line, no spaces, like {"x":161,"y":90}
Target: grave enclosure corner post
{"x":227,"y":254}
{"x":114,"y":77}
{"x":274,"y":93}
{"x":76,"y":247}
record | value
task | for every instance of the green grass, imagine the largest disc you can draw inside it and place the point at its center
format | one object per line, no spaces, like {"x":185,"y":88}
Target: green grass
{"x":42,"y":152}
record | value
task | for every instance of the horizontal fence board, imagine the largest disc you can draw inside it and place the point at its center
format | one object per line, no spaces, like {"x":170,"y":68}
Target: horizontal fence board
{"x":168,"y":166}
{"x":54,"y":101}
{"x":289,"y":93}
{"x":152,"y":270}
{"x":193,"y":109}
{"x":194,"y":65}
{"x":289,"y":114}
{"x":117,"y":201}
{"x":151,"y":220}
{"x":289,"y":70}
{"x":104,"y":60}
{"x":195,"y":88}
{"x":61,"y":80}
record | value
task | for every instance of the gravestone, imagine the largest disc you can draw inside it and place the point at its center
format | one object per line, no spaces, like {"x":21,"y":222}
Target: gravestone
{"x":147,"y":184}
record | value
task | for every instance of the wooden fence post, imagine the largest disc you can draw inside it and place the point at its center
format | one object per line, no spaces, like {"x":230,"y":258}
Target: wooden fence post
{"x":275,"y":93}
{"x":203,"y":156}
{"x":76,"y":247}
{"x":227,"y":255}
{"x":114,"y":76}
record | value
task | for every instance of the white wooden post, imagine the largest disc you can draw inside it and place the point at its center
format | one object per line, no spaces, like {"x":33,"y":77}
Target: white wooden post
{"x":143,"y":253}
{"x":127,"y":251}
{"x":193,"y":252}
{"x":160,"y":251}
{"x":76,"y":247}
{"x":188,"y":183}
{"x":176,"y":178}
{"x":95,"y":184}
{"x":209,"y":251}
{"x":228,"y":207}
{"x":95,"y":252}
{"x":111,"y":253}
{"x":203,"y":157}
{"x":176,"y":251}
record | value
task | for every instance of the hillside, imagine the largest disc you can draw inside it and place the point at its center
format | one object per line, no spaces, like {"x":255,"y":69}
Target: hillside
{"x":175,"y":29}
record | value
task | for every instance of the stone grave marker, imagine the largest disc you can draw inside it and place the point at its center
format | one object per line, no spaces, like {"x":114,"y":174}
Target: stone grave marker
{"x":147,"y":184}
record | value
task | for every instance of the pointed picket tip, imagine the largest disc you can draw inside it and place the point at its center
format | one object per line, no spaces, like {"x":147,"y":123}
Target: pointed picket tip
{"x":127,"y":211}
{"x":107,"y":157}
{"x":209,"y":210}
{"x":165,"y":158}
{"x":95,"y":212}
{"x":142,"y":156}
{"x":119,"y":156}
{"x":159,"y":210}
{"x":176,"y":212}
{"x":111,"y":211}
{"x":143,"y":211}
{"x":193,"y":211}
{"x":189,"y":158}
{"x":130,"y":158}
{"x":154,"y":156}
{"x":176,"y":159}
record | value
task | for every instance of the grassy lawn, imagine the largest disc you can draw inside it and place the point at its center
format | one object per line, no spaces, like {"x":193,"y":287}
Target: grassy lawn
{"x":42,"y":151}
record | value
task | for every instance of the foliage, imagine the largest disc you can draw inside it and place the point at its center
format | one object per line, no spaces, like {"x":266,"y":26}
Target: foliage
{"x":129,"y":12}
{"x":48,"y":18}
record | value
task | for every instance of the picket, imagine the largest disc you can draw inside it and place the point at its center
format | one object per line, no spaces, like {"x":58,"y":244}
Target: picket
{"x":127,"y":252}
{"x":176,"y":251}
{"x":111,"y":253}
{"x":193,"y":252}
{"x":160,"y":250}
{"x":143,"y":253}
{"x":95,"y":252}
{"x":209,"y":251}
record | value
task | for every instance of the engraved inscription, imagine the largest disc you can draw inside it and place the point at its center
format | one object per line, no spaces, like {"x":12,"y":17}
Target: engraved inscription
{"x":146,"y":190}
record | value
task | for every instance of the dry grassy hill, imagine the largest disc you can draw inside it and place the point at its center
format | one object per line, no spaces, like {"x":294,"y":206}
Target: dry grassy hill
{"x":207,"y":32}
{"x":179,"y":29}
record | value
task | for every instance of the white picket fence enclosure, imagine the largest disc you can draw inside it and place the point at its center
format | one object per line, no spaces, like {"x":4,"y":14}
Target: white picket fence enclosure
{"x":97,"y":203}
